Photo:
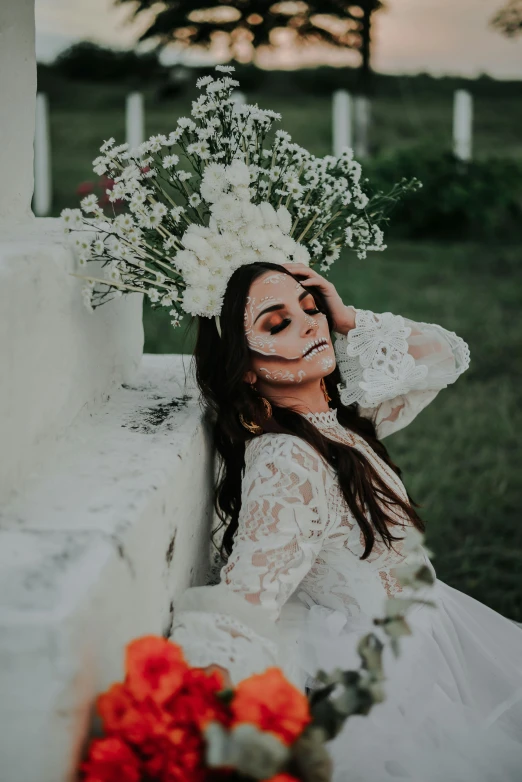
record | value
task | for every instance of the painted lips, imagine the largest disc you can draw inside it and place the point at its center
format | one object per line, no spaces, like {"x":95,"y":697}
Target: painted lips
{"x":317,"y":346}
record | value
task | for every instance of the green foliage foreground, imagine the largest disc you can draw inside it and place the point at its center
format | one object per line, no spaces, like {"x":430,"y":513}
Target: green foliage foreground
{"x":460,"y":458}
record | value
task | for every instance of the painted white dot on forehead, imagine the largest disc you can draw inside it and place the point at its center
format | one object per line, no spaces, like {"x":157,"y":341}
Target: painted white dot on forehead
{"x":273,"y":279}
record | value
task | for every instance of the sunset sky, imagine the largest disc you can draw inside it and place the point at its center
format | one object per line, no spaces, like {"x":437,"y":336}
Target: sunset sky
{"x":437,"y":36}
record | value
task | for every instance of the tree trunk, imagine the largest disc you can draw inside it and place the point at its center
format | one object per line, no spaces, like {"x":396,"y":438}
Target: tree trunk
{"x":365,"y":70}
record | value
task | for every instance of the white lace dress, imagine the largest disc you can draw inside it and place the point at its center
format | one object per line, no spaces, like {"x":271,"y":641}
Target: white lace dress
{"x":295,"y":592}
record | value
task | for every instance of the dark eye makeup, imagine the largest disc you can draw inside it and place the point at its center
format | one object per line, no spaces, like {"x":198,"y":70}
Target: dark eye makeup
{"x":284,"y":323}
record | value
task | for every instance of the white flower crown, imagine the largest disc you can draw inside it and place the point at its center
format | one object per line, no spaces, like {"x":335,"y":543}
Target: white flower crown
{"x":219,"y":192}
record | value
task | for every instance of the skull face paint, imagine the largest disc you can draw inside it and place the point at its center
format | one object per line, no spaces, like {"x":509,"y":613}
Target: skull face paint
{"x":288,"y":336}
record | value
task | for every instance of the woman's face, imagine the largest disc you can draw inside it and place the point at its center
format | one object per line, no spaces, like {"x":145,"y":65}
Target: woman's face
{"x":288,"y":337}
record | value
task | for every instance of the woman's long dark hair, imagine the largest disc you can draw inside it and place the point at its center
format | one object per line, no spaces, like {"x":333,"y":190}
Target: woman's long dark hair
{"x":221,"y":364}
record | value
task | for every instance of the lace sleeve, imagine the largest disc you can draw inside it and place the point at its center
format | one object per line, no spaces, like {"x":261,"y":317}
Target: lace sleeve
{"x":280,"y":532}
{"x":393,"y":367}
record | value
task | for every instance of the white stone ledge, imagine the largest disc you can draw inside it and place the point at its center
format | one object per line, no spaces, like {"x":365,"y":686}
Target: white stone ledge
{"x":92,"y":555}
{"x":56,"y":357}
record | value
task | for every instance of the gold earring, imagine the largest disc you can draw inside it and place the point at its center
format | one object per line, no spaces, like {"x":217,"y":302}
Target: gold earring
{"x":251,"y":425}
{"x":325,"y":392}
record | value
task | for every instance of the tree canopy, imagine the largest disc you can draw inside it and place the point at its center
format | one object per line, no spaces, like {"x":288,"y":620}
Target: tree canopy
{"x":509,"y":19}
{"x":250,"y":24}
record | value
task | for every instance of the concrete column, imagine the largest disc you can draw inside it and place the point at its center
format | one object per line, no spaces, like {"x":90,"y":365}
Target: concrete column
{"x":341,"y":121}
{"x":462,"y":124}
{"x":135,"y":120}
{"x":238,"y":97}
{"x":362,"y":126}
{"x":17,"y":98}
{"x":43,"y":189}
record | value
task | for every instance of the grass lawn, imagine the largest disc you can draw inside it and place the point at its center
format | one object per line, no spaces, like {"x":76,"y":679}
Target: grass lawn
{"x":461,"y":457}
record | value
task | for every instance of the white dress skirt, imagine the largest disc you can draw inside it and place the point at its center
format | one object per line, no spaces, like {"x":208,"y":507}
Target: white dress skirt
{"x":295,"y":592}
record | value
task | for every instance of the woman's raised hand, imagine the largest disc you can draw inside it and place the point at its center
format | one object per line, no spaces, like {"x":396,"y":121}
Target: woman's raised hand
{"x":343,"y":316}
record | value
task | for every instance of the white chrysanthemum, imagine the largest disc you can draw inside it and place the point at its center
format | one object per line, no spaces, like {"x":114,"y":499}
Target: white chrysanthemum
{"x":123,"y":222}
{"x":361,"y":201}
{"x":184,"y":176}
{"x":169,"y":243}
{"x":169,"y":161}
{"x":242,"y":193}
{"x":203,"y":81}
{"x":153,"y":295}
{"x":198,"y":276}
{"x":176,"y":213}
{"x":225,"y":68}
{"x":286,"y":244}
{"x":174,"y":137}
{"x":227,"y":211}
{"x":72,"y":219}
{"x":276,"y":256}
{"x":186,"y":124}
{"x":268,"y":213}
{"x":301,"y":254}
{"x":194,"y":199}
{"x":195,"y":301}
{"x":199,"y":230}
{"x":89,"y":203}
{"x":159,"y":209}
{"x":197,"y":244}
{"x":98,"y":247}
{"x":185,"y":259}
{"x":238,"y":174}
{"x":199,"y":148}
{"x":284,"y":219}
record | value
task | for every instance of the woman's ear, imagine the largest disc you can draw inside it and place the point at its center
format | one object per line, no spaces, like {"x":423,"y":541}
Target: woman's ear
{"x":250,"y":377}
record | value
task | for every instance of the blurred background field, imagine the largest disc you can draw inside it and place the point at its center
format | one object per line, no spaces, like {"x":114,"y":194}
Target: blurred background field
{"x":453,"y":258}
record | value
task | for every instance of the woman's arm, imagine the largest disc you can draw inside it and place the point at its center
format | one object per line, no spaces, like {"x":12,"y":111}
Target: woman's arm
{"x":281,"y":529}
{"x":393,"y":367}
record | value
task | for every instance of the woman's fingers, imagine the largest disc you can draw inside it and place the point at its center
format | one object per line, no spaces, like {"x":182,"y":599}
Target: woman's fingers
{"x":312,"y":277}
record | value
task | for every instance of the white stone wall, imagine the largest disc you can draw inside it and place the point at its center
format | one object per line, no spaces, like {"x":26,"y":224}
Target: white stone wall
{"x":92,"y":554}
{"x":56,"y":357}
{"x":17,"y":98}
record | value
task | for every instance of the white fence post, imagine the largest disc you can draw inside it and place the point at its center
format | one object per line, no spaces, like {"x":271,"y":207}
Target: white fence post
{"x":238,"y":97}
{"x":341,"y":121}
{"x":42,"y":198}
{"x":134,"y":120}
{"x":462,"y":124}
{"x":362,"y":125}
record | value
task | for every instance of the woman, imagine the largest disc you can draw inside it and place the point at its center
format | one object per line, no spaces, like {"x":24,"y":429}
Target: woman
{"x":315,"y":514}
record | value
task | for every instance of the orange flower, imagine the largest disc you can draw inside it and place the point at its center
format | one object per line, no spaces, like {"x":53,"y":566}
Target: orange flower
{"x":269,"y":701}
{"x":154,"y":668}
{"x":111,"y":760}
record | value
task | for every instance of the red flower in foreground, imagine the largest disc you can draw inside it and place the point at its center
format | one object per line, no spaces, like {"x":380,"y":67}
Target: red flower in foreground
{"x":269,"y":701}
{"x":283,"y":778}
{"x":111,"y":760}
{"x":123,"y":716}
{"x":180,"y":758}
{"x":155,"y":668}
{"x":196,"y":702}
